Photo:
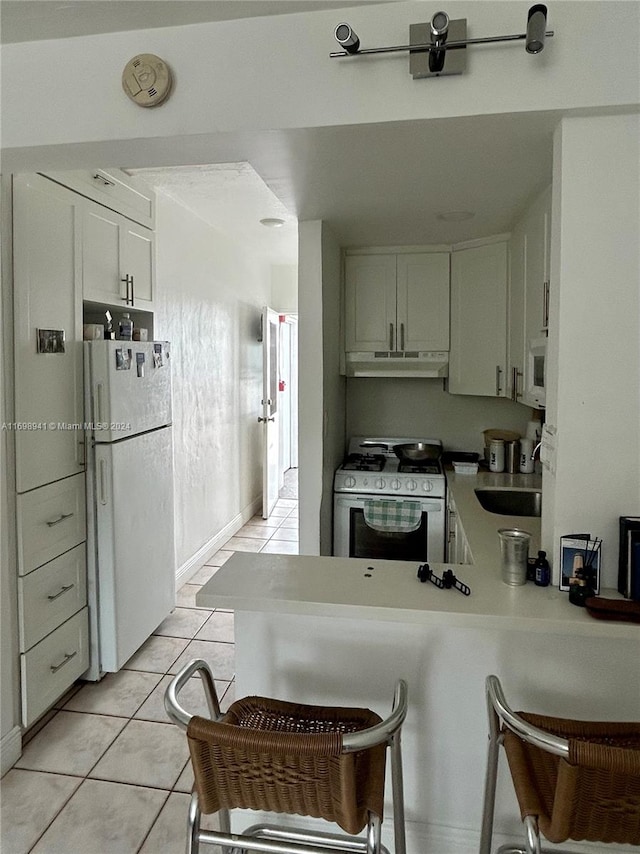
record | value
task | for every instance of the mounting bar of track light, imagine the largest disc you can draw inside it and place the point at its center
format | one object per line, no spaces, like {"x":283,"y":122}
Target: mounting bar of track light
{"x":534,"y":38}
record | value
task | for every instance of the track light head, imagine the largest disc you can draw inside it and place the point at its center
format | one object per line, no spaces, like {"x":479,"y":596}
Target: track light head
{"x":346,"y":38}
{"x":439,"y":27}
{"x":536,"y":28}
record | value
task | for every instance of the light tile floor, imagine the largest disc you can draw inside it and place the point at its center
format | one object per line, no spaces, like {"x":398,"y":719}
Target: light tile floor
{"x":105,"y":772}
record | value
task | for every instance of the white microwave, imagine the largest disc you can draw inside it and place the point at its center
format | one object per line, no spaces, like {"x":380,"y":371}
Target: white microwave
{"x":536,"y":372}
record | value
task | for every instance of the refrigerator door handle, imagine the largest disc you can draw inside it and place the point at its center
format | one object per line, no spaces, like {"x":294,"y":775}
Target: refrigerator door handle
{"x":99,"y":390}
{"x":103,"y":486}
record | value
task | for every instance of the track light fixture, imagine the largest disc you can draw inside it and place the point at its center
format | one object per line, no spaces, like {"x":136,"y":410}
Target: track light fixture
{"x":347,"y":39}
{"x":439,"y":47}
{"x":536,"y":28}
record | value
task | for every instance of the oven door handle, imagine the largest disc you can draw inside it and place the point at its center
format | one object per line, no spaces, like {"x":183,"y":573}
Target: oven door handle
{"x":431,"y":505}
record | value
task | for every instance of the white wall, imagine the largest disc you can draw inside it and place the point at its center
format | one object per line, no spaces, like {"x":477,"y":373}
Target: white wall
{"x":9,"y":674}
{"x":79,"y":95}
{"x":334,"y":405}
{"x":210,"y":295}
{"x":420,"y":407}
{"x":594,"y":395}
{"x":310,"y":373}
{"x":284,"y":288}
{"x":322,"y":389}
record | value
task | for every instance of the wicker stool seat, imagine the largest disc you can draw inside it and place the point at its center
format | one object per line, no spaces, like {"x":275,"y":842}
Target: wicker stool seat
{"x":280,"y":757}
{"x":574,"y":780}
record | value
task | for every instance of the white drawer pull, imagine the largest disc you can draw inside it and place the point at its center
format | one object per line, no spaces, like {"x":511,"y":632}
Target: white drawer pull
{"x":104,"y":181}
{"x":67,"y":657}
{"x":60,"y":518}
{"x":65,"y":589}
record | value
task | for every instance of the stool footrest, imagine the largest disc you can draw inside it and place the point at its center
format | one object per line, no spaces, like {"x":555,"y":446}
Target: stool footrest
{"x":285,"y":840}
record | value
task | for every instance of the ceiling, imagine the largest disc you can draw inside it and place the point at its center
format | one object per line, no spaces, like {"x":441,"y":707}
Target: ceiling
{"x":373,"y":184}
{"x":233,"y":198}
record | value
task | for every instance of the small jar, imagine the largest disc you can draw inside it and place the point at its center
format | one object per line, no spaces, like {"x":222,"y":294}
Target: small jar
{"x":526,"y":452}
{"x":496,"y":455}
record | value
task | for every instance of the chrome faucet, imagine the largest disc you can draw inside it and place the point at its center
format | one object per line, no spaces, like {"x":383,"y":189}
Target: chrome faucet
{"x":535,"y":450}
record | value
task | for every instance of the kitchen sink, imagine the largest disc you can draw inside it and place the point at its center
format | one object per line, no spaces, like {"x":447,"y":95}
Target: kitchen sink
{"x":509,"y":501}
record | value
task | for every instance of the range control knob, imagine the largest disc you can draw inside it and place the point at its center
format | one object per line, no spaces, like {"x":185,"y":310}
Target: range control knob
{"x":350,"y":481}
{"x":380,"y":483}
{"x":411,"y":485}
{"x":395,"y":484}
{"x":427,"y":486}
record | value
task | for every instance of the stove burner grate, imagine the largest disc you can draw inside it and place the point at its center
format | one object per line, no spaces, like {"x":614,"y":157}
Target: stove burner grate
{"x":364,"y":462}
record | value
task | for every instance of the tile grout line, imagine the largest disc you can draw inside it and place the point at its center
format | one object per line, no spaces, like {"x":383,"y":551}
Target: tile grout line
{"x":83,"y":778}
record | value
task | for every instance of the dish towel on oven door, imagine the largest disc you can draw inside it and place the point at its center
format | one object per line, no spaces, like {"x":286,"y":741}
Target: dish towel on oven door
{"x":392,"y":517}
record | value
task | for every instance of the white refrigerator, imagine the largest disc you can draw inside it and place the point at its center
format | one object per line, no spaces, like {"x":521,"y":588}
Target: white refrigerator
{"x":130,"y":537}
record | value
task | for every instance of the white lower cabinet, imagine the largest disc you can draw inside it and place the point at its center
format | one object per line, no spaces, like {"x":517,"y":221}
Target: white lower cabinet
{"x":52,"y":592}
{"x":52,"y":665}
{"x":51,"y":520}
{"x":458,"y":550}
{"x":48,"y":596}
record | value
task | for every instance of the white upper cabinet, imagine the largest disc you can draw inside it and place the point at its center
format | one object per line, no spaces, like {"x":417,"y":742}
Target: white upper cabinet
{"x":537,"y":229}
{"x":114,"y":189}
{"x":397,"y":302}
{"x":516,"y":338}
{"x":477,"y":361}
{"x":423,"y":301}
{"x":47,"y":331}
{"x":117,"y":259}
{"x":370,"y":302}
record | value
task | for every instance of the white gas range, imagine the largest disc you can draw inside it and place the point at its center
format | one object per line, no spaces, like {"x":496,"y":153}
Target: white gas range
{"x":373,"y":489}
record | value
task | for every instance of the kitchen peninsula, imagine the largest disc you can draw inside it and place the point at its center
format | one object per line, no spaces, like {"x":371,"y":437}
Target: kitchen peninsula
{"x":342,"y":631}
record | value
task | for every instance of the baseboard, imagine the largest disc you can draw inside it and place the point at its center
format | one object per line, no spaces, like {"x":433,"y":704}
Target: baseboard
{"x":10,"y":749}
{"x":191,"y":566}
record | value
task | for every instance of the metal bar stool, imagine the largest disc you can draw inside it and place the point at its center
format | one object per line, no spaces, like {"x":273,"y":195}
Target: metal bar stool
{"x":577,"y":780}
{"x":274,"y":756}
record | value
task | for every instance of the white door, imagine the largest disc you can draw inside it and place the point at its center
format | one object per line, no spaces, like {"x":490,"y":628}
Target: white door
{"x":269,"y":417}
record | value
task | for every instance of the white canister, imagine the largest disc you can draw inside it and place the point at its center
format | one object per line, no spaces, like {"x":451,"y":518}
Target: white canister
{"x":526,"y":452}
{"x":496,"y":455}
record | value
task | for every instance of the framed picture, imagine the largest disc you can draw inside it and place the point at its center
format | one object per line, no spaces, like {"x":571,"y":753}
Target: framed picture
{"x":51,"y":341}
{"x":576,"y":553}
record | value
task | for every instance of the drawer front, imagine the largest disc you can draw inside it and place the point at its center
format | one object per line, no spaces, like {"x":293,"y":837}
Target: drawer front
{"x":50,"y":595}
{"x":53,"y":665}
{"x":112,"y":188}
{"x":51,"y":520}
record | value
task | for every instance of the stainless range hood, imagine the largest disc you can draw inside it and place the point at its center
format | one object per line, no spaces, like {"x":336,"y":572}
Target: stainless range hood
{"x":429,"y":364}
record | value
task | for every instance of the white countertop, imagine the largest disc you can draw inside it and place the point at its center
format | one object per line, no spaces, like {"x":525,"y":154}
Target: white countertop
{"x":390,"y":591}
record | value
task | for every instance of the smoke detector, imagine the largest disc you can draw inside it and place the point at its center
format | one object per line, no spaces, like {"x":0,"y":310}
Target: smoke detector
{"x":147,"y":80}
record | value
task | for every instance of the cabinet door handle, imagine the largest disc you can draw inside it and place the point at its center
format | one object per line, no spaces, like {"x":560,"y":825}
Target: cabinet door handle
{"x":545,"y":306}
{"x":64,"y":589}
{"x":67,"y":658}
{"x":81,"y":455}
{"x":126,"y":281}
{"x":260,"y":419}
{"x":60,"y":518}
{"x":515,"y":375}
{"x":498,"y":384}
{"x":402,"y":336}
{"x":104,"y":181}
{"x":132,"y":295}
{"x":391,"y":336}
